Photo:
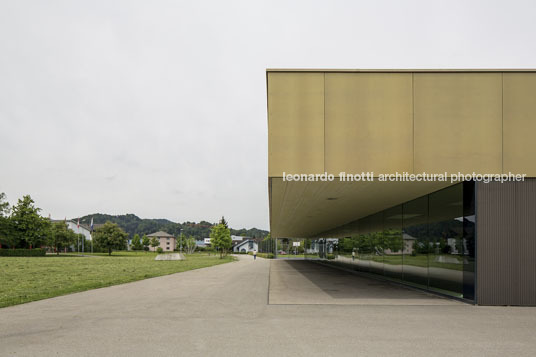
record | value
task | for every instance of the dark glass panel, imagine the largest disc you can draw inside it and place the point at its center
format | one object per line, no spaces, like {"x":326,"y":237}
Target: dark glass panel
{"x":347,"y":250}
{"x":392,"y":242}
{"x":416,"y":244}
{"x":376,"y":243}
{"x":363,"y":246}
{"x":445,"y":227}
{"x":469,"y":240}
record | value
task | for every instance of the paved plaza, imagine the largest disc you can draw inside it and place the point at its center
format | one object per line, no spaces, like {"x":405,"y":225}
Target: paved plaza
{"x":263,"y":308}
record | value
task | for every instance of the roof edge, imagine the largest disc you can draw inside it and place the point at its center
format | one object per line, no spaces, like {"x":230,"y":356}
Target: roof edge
{"x":402,"y":70}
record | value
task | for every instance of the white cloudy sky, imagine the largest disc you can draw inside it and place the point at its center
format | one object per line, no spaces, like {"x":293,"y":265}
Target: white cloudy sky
{"x":158,"y":108}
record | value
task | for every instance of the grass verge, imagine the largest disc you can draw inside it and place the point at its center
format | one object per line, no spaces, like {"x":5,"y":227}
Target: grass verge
{"x":25,"y":279}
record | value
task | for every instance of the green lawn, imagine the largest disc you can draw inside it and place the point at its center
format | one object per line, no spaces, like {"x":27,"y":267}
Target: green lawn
{"x":24,"y":279}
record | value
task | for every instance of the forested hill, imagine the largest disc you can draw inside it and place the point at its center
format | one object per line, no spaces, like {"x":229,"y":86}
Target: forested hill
{"x":133,"y":224}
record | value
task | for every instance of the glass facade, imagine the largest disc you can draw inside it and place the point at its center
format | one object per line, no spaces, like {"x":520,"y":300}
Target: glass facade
{"x":428,"y":242}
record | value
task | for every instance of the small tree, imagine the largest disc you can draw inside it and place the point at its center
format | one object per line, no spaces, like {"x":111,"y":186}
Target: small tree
{"x":136,"y":242}
{"x":220,"y":238}
{"x":224,"y":222}
{"x":110,"y":236}
{"x":61,"y":237}
{"x":145,"y":242}
{"x":190,"y":245}
{"x":155,"y":242}
{"x":181,"y":242}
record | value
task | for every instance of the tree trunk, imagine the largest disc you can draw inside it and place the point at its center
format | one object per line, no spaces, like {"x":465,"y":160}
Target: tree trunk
{"x":109,"y":251}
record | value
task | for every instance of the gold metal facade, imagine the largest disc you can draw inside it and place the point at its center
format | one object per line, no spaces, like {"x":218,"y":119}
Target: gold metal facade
{"x":389,"y":121}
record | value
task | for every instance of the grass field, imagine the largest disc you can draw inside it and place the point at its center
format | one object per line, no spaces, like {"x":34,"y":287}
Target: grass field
{"x":24,"y":279}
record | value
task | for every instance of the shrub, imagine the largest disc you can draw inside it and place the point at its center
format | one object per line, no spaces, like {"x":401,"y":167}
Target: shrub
{"x":331,"y":256}
{"x":159,"y":250}
{"x":22,"y":252}
{"x":264,"y":255}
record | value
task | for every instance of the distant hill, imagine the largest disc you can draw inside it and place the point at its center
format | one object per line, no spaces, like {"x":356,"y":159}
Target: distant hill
{"x":133,"y":224}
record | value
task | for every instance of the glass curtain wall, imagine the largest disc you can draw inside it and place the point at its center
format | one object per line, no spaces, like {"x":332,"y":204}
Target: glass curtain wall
{"x":428,"y":242}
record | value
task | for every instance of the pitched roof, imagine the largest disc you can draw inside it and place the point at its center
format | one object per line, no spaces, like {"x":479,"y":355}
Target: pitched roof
{"x":244,"y":242}
{"x":160,"y":234}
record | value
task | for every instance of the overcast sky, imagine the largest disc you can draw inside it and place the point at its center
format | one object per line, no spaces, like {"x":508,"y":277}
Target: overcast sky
{"x":158,"y":108}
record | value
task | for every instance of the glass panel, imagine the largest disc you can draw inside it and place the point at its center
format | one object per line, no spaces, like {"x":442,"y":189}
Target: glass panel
{"x":416,"y":244}
{"x":347,"y":250}
{"x":376,"y":243}
{"x":364,"y":248}
{"x":445,"y":227}
{"x":392,"y":242}
{"x":469,"y":240}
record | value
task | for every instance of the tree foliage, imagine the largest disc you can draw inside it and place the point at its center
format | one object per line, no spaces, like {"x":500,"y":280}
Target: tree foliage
{"x":220,"y":239}
{"x":110,"y":236}
{"x":61,"y":236}
{"x":29,"y":227}
{"x":189,"y":245}
{"x":155,"y":242}
{"x":4,"y":205}
{"x":146,"y":242}
{"x":133,"y":224}
{"x":136,"y":242}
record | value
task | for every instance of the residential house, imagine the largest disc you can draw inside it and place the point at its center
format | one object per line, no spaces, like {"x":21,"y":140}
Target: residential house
{"x":167,"y":241}
{"x":247,"y":245}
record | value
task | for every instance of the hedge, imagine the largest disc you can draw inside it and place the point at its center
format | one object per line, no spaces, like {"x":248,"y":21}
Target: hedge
{"x":264,"y":255}
{"x":22,"y":252}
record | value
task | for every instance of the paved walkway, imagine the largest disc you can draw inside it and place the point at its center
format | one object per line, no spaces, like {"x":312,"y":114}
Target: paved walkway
{"x":224,"y":311}
{"x":303,"y":282}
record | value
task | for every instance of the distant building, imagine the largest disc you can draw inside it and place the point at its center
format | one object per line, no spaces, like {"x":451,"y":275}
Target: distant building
{"x":84,"y":229}
{"x":167,"y":241}
{"x":73,"y":226}
{"x":247,"y":245}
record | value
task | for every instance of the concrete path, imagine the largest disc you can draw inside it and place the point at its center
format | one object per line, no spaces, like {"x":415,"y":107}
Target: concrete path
{"x":224,"y":311}
{"x":302,"y":282}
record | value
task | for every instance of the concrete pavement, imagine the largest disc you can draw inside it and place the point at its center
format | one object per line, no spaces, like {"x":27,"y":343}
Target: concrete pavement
{"x":224,"y":311}
{"x":301,"y":282}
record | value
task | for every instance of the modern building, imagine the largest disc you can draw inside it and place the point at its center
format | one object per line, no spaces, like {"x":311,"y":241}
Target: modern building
{"x":366,"y":167}
{"x":167,"y":241}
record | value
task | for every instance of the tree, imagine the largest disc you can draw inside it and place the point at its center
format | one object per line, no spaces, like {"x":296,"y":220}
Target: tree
{"x":136,"y":242}
{"x":29,"y":227}
{"x":145,"y":242}
{"x":109,"y":237}
{"x":61,"y":236}
{"x":180,"y":243}
{"x":220,"y":238}
{"x":155,"y":242}
{"x":224,"y":222}
{"x":189,"y":245}
{"x":4,"y":205}
{"x":7,"y":236}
